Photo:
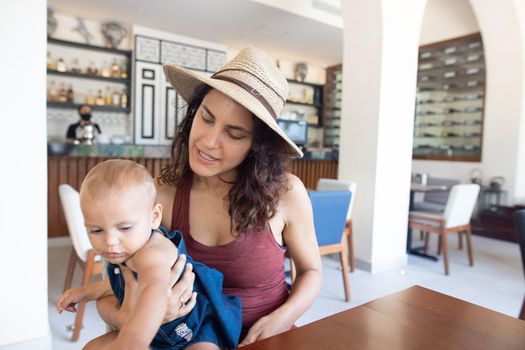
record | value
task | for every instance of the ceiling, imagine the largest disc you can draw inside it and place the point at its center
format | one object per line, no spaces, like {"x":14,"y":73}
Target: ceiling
{"x":234,"y":23}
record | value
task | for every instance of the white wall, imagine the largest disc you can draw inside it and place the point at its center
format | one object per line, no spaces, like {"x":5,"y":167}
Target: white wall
{"x":520,"y":173}
{"x":381,"y":40}
{"x":502,"y":153}
{"x":445,"y":19}
{"x":23,"y":199}
{"x":307,"y":8}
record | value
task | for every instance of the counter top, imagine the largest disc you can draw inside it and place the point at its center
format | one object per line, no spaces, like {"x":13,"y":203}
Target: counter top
{"x":140,"y":151}
{"x":108,"y":150}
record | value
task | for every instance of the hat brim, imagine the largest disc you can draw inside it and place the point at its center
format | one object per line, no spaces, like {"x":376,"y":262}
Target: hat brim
{"x":186,"y":81}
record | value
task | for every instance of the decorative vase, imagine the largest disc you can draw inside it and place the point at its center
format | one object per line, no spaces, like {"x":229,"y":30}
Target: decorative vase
{"x":51,"y":21}
{"x":300,"y":71}
{"x":113,"y":33}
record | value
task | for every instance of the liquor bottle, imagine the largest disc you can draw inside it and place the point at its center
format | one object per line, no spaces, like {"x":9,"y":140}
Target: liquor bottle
{"x":62,"y":94}
{"x":50,"y":62}
{"x":123,"y":99}
{"x":61,"y":65}
{"x":115,"y":70}
{"x":124,"y":71}
{"x":75,"y":66}
{"x":90,"y":99}
{"x":99,"y":100}
{"x":52,"y":93}
{"x":70,"y":95}
{"x":116,"y":99}
{"x":91,"y":69}
{"x":108,"y":99}
{"x":106,"y":72}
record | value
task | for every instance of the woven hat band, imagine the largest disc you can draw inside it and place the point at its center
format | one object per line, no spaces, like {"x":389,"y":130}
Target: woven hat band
{"x":251,"y":90}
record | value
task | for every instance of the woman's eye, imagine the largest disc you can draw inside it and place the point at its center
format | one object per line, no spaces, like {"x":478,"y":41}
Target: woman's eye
{"x":125,"y":228}
{"x":207,"y":119}
{"x":95,"y":230}
{"x":234,"y":136}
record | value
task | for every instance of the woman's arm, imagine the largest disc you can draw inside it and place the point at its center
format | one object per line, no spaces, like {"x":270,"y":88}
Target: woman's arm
{"x":299,"y":237}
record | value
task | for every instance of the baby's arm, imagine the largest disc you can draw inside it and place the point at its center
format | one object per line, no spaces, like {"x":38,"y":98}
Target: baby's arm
{"x":92,"y":291}
{"x":152,"y":264}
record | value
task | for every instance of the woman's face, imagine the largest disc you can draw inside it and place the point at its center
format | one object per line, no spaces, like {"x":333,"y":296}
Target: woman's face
{"x":221,"y":136}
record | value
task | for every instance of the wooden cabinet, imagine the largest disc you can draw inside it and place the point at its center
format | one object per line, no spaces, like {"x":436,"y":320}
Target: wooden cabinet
{"x":448,"y":121}
{"x":94,"y":75}
{"x":332,"y":105}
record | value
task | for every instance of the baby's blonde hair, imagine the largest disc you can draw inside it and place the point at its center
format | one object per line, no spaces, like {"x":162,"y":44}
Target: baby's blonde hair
{"x":116,"y":175}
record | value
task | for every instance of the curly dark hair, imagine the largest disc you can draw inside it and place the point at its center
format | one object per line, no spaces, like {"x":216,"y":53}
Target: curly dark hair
{"x":261,"y":176}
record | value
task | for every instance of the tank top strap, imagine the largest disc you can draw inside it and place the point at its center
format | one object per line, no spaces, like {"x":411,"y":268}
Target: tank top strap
{"x":180,"y":214}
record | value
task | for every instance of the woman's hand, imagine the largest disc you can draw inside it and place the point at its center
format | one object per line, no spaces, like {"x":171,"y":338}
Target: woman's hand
{"x":265,"y":327}
{"x":182,"y":298}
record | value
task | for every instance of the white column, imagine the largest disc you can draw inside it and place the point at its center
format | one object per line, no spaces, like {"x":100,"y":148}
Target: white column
{"x":23,"y":179}
{"x":380,"y":42}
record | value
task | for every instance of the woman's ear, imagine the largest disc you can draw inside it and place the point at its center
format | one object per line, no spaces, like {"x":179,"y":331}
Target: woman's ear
{"x":156,"y":216}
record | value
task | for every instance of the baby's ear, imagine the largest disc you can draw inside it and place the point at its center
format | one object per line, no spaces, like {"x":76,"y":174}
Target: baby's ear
{"x":156,"y":216}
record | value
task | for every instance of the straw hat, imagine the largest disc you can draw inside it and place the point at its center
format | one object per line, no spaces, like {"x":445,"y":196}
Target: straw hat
{"x":251,"y":79}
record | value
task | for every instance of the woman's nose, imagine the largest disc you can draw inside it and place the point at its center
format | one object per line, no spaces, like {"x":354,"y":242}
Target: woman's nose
{"x":212,"y":138}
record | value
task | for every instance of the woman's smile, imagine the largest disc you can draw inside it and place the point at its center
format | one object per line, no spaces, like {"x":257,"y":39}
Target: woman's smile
{"x":206,"y":156}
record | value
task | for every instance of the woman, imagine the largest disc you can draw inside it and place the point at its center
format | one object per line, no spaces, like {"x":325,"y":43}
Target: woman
{"x":228,"y":191}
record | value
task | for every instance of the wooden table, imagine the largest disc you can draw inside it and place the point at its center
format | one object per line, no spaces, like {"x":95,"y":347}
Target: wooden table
{"x":415,"y":318}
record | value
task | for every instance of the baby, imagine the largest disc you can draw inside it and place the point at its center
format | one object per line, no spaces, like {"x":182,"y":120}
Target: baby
{"x":122,"y":219}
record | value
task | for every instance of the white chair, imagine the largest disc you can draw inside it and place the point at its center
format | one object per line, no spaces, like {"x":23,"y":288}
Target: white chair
{"x":456,"y":218}
{"x":338,"y":185}
{"x":82,"y":252}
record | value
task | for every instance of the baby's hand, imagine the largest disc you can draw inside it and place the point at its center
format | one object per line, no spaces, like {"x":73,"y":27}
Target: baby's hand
{"x":69,"y":299}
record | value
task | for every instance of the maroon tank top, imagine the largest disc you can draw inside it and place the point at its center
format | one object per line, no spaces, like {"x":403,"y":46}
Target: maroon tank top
{"x":252,"y":264}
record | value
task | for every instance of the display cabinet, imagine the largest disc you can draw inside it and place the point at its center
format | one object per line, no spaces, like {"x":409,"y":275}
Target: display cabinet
{"x":81,"y":73}
{"x":332,"y":106}
{"x":304,"y":103}
{"x":448,"y":121}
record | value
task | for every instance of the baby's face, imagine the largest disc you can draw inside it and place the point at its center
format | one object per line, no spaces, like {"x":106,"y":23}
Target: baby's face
{"x":118,"y":224}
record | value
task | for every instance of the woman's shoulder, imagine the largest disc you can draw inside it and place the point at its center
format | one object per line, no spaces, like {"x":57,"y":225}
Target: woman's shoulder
{"x":295,"y":192}
{"x":164,"y":190}
{"x":165,"y":196}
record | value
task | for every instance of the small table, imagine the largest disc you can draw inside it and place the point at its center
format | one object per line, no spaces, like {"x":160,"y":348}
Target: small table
{"x":415,"y":188}
{"x":415,"y":318}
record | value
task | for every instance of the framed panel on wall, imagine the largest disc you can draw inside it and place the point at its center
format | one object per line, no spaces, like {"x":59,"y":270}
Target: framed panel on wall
{"x":448,"y":122}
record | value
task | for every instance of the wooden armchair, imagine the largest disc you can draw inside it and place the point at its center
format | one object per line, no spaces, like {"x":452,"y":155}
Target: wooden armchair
{"x":82,"y":252}
{"x":339,"y":185}
{"x":456,"y":218}
{"x":519,"y":223}
{"x":330,"y":209}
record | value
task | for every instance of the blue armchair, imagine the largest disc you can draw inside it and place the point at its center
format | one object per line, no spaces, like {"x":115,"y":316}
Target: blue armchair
{"x":330,"y":210}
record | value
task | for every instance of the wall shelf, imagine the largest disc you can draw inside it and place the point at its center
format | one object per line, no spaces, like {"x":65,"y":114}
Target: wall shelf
{"x":332,"y":105}
{"x":51,"y":40}
{"x":64,"y":105}
{"x":90,"y":77}
{"x":448,"y":121}
{"x":84,"y":87}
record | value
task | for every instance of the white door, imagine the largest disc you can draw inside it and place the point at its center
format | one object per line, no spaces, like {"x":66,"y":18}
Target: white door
{"x":147,"y":103}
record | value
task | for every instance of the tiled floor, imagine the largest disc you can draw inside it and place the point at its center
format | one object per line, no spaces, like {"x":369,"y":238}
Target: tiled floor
{"x":495,"y":281}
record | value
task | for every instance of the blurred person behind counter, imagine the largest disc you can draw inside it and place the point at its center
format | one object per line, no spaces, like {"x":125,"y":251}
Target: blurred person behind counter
{"x":83,"y":131}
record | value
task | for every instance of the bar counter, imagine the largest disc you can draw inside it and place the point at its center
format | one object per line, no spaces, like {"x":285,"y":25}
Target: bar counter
{"x":68,"y":163}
